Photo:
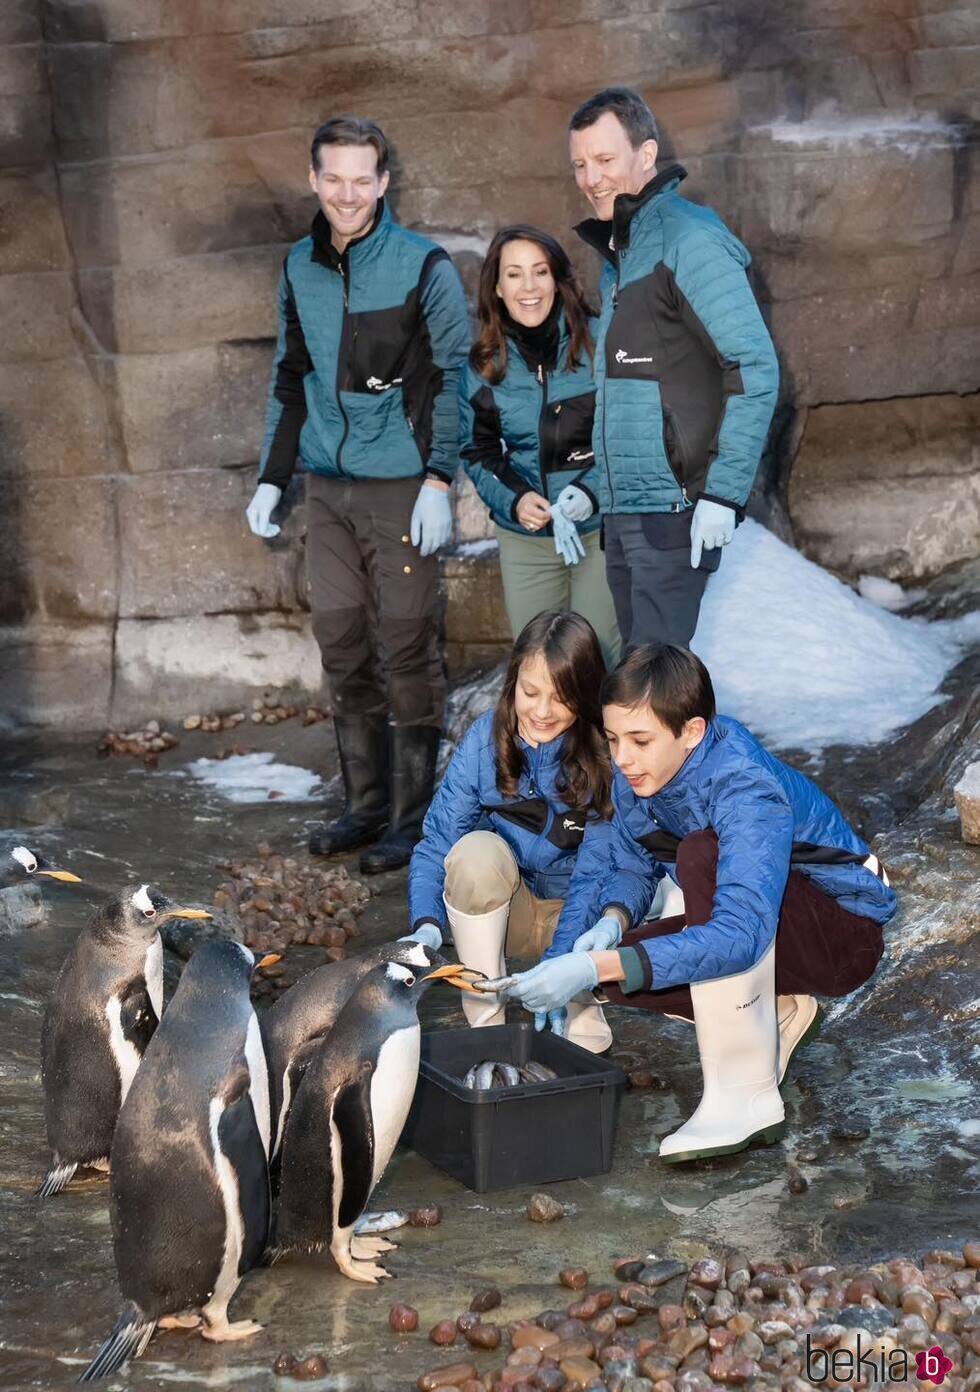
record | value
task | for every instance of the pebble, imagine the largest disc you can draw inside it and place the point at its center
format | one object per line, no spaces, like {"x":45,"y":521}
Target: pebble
{"x":696,"y":1302}
{"x":660,"y":1272}
{"x":797,"y":1184}
{"x":311,"y":1369}
{"x":640,"y":1298}
{"x":532,"y":1336}
{"x":548,"y":1380}
{"x":574,"y":1277}
{"x":284,"y":1364}
{"x":684,"y":1341}
{"x":726,"y":1369}
{"x":580,"y":1372}
{"x":466,"y":1322}
{"x":916,"y":1300}
{"x":571,"y":1348}
{"x":487,"y":1299}
{"x":852,"y":1128}
{"x":624,"y":1314}
{"x":403,"y":1319}
{"x":453,"y":1375}
{"x":444,"y":1333}
{"x":971,"y":1255}
{"x":483,"y":1336}
{"x":628,"y":1268}
{"x":671,"y":1317}
{"x":429,"y":1216}
{"x":542,"y":1208}
{"x":605,"y":1324}
{"x":707,"y":1272}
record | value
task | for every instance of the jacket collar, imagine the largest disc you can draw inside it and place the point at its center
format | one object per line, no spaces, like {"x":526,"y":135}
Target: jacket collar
{"x":326,"y":254}
{"x":611,"y":237}
{"x":544,"y":346}
{"x":543,"y":754}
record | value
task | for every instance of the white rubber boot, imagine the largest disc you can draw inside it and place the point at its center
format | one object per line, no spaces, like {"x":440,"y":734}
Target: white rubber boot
{"x":738,"y":1040}
{"x":800,"y":1018}
{"x":586,"y":1025}
{"x":479,"y":940}
{"x":672,"y":903}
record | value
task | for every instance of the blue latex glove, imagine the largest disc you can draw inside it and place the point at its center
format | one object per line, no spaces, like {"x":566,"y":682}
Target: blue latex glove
{"x":575,"y":503}
{"x":568,"y":543}
{"x":260,"y":509}
{"x":432,"y":519}
{"x":713,"y":525}
{"x":602,"y":937}
{"x":427,"y":934}
{"x":555,"y":1020}
{"x":551,"y":985}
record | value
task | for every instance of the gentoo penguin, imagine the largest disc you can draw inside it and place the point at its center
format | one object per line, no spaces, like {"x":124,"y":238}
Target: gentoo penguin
{"x":189,"y":1179}
{"x":33,"y":864}
{"x":347,"y":1115}
{"x":106,"y":1003}
{"x":303,"y":1016}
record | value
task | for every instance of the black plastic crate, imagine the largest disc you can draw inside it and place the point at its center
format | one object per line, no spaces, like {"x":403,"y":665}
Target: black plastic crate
{"x":532,"y":1134}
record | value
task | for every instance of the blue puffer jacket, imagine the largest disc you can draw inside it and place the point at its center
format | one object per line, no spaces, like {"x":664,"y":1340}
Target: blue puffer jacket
{"x":532,"y":432}
{"x":768,"y":819}
{"x":543,"y":832}
{"x":371,"y":345}
{"x":686,"y":374}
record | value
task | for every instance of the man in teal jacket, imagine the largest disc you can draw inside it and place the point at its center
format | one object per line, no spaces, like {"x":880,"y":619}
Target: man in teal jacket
{"x":373,"y":334}
{"x":686,"y":373}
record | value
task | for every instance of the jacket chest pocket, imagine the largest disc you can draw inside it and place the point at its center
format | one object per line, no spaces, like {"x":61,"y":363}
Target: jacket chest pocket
{"x":377,"y":350}
{"x":567,"y":433}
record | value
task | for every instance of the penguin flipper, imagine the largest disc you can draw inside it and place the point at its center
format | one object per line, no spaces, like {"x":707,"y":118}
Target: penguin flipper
{"x":355,"y":1126}
{"x":137,"y":1017}
{"x":128,"y":1339}
{"x":241,"y":1144}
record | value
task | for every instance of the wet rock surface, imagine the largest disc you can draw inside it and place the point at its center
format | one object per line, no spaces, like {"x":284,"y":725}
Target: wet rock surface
{"x":897,"y":1053}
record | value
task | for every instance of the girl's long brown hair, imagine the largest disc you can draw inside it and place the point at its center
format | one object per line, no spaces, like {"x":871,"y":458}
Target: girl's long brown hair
{"x":568,"y":644}
{"x":489,"y":352}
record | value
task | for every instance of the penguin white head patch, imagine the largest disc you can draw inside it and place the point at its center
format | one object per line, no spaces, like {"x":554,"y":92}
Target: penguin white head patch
{"x":247,"y":952}
{"x":396,"y":972}
{"x":416,"y":955}
{"x":25,"y":859}
{"x":142,"y":901}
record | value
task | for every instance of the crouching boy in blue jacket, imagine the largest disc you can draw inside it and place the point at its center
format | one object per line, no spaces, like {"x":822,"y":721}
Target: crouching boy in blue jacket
{"x":782,"y":899}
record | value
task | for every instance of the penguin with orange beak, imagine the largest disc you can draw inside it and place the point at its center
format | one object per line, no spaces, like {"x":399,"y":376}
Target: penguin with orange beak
{"x":106,"y":1004}
{"x":348,"y":1112}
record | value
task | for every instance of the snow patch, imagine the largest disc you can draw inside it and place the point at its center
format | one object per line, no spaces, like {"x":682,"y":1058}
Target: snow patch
{"x":886,"y":594}
{"x":256,"y":778}
{"x":901,"y":131}
{"x":805,"y":662}
{"x":969,"y":784}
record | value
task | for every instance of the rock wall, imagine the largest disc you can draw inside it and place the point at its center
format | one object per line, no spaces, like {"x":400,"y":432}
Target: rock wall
{"x":152,"y":173}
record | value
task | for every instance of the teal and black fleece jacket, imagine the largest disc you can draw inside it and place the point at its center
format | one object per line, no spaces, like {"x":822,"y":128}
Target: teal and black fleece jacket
{"x":531,"y":432}
{"x":686,"y":373}
{"x":371,"y":345}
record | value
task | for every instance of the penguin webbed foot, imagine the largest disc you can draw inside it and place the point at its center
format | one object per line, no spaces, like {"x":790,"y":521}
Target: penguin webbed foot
{"x":188,"y":1321}
{"x":221,"y":1332}
{"x":356,"y":1269}
{"x":369,"y":1246}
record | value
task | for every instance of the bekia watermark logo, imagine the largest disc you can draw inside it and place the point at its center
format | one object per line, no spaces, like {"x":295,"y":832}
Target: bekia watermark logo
{"x":871,"y":1361}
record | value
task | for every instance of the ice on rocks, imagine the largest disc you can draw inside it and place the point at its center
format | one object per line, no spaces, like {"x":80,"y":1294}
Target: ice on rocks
{"x":257,"y":778}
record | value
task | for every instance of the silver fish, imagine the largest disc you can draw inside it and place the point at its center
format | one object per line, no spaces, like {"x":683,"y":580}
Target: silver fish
{"x":484,"y":1076}
{"x":539,"y":1072}
{"x":510,"y":1074}
{"x":469,"y":1077}
{"x":380,"y":1222}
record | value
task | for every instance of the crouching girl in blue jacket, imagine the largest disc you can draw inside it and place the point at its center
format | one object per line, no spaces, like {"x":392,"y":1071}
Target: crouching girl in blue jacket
{"x":782,"y":899}
{"x":501,"y":837}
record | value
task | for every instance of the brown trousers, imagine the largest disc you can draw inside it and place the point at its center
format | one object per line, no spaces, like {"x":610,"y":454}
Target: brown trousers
{"x":821,"y":948}
{"x":374,"y":600}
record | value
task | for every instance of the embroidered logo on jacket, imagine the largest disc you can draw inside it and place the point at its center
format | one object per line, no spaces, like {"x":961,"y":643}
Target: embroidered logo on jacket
{"x":580,"y":456}
{"x":375,"y":384}
{"x":623,"y":357}
{"x":568,"y":824}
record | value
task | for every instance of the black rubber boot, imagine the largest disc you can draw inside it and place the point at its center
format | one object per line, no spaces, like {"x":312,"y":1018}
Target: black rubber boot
{"x":412,"y":751}
{"x":363,"y":746}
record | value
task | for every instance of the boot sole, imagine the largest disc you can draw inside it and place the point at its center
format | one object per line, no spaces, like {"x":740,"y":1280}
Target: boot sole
{"x":769,"y":1135}
{"x":370,"y":838}
{"x":808,"y":1035}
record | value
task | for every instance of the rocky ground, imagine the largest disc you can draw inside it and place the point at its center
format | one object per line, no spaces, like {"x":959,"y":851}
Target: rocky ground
{"x":858,"y":1220}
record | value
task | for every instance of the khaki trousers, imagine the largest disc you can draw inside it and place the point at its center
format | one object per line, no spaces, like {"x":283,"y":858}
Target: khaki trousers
{"x":482,"y":875}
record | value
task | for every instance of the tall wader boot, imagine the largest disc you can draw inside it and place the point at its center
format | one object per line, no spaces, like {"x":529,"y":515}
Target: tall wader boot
{"x":363,"y":745}
{"x":738,"y":1041}
{"x":479,"y":940}
{"x":412,"y":751}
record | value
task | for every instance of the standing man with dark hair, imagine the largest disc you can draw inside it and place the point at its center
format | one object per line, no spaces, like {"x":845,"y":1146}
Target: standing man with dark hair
{"x":686,"y":373}
{"x":373,"y":332}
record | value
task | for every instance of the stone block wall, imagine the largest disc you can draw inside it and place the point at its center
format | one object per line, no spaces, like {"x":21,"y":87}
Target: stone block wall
{"x":152,"y":173}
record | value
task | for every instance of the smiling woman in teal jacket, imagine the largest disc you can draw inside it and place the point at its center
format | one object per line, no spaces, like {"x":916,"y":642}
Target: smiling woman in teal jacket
{"x":526,"y":409}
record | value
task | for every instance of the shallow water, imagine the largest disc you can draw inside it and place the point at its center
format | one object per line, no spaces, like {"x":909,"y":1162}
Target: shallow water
{"x":909,"y":1186}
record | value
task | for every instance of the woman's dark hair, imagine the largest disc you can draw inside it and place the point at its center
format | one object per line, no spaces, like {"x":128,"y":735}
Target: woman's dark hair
{"x":568,"y":644}
{"x":671,"y":681}
{"x":489,"y":353}
{"x":350,"y":130}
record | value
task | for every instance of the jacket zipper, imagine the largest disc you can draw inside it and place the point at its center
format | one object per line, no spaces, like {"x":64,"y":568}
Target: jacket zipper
{"x":669,"y":416}
{"x":542,"y":377}
{"x":340,"y":368}
{"x":605,"y":451}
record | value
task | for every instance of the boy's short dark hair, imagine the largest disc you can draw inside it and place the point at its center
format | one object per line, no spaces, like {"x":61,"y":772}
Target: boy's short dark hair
{"x":632,"y":112}
{"x":351,"y":130}
{"x":673,"y":682}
